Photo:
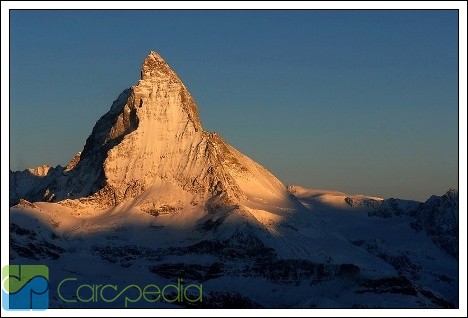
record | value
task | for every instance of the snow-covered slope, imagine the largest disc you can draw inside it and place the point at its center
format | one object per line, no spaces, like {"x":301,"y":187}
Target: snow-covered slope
{"x":154,"y":197}
{"x":311,"y":197}
{"x":324,"y":257}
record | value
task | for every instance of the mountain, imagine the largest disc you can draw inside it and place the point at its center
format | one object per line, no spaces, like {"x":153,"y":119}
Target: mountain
{"x":152,"y":139}
{"x":153,"y":198}
{"x":438,"y":217}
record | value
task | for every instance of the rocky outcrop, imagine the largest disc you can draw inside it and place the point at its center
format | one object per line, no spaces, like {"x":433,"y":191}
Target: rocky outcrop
{"x":72,"y":164}
{"x":438,"y":216}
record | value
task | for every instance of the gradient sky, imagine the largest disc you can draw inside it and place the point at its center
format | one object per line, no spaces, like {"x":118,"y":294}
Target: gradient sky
{"x":357,"y":101}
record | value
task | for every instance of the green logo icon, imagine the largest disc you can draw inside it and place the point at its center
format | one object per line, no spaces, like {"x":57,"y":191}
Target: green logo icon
{"x":25,"y":287}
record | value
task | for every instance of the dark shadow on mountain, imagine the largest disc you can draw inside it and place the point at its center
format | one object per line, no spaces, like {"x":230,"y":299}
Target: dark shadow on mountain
{"x":437,"y":216}
{"x":87,"y":177}
{"x":209,"y":260}
{"x":29,"y":186}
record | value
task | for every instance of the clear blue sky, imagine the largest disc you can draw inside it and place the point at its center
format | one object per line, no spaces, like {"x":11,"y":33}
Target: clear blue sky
{"x":358,"y":101}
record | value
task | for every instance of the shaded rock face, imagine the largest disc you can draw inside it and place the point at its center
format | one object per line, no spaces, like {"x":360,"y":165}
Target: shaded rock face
{"x":88,"y":175}
{"x":32,"y":184}
{"x":438,"y":216}
{"x":152,"y":137}
{"x":390,"y":208}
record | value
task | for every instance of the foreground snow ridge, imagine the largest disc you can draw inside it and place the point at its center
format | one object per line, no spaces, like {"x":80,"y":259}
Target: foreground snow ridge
{"x":154,"y":197}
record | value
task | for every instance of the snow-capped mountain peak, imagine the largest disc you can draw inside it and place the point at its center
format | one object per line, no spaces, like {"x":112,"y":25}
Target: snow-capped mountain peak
{"x":152,"y":139}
